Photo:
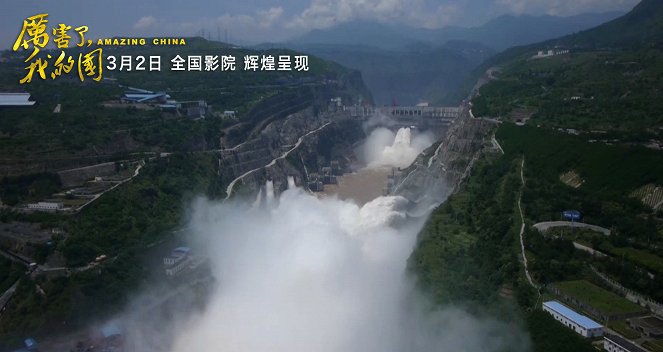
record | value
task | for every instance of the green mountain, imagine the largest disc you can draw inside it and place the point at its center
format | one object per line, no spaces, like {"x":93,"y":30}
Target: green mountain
{"x":91,"y":125}
{"x":498,"y":34}
{"x":421,"y":72}
{"x":405,"y":65}
{"x":641,"y":27}
{"x":609,"y":80}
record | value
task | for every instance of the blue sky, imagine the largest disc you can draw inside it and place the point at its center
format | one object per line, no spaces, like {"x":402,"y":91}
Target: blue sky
{"x":251,"y":21}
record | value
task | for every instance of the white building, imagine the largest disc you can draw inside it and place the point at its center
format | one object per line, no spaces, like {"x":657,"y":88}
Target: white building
{"x":338,"y":101}
{"x":178,"y":264}
{"x":177,"y":261}
{"x":46,"y":206}
{"x":614,"y":343}
{"x":575,"y":321}
{"x":15,"y":99}
{"x":541,"y":53}
{"x":195,"y":109}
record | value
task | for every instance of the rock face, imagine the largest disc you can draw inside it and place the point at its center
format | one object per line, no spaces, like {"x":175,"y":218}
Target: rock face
{"x":298,"y":145}
{"x":77,"y":177}
{"x":293,"y":135}
{"x":438,"y":171}
{"x":304,"y":142}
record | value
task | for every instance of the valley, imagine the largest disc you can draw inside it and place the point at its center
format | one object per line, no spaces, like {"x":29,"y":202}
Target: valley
{"x":415,"y":190}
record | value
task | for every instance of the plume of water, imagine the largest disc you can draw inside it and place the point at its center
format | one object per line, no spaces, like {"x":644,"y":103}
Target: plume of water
{"x":269,"y":191}
{"x":383,"y":148}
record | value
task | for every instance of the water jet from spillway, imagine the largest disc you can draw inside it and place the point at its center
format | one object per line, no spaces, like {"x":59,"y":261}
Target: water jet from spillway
{"x":383,"y":148}
{"x":269,"y":192}
{"x":258,"y":201}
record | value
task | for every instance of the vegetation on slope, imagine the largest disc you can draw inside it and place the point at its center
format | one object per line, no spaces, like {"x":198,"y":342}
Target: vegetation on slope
{"x":610,"y":173}
{"x":123,"y":225}
{"x":586,"y":90}
{"x":467,"y":255}
{"x":610,"y":80}
{"x":85,"y":126}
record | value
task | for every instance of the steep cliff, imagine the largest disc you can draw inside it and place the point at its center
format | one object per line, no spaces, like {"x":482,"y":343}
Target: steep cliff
{"x":302,"y":143}
{"x":293,"y":134}
{"x":438,"y":171}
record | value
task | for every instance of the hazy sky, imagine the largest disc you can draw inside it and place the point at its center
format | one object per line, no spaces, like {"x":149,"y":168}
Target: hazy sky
{"x":249,"y":21}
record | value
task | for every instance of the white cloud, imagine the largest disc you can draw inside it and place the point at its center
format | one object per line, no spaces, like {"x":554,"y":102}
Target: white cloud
{"x":276,"y":23}
{"x":270,"y":17}
{"x":563,"y":7}
{"x":145,"y":22}
{"x":326,"y":13}
{"x":263,"y":25}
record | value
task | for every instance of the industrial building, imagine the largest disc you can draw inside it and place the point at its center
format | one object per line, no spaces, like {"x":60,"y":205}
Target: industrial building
{"x":572,"y":215}
{"x":328,"y":177}
{"x":15,"y":99}
{"x":335,"y":104}
{"x":177,"y":261}
{"x":650,"y":326}
{"x":614,"y":343}
{"x":543,"y":53}
{"x":314,"y":183}
{"x":30,"y":345}
{"x":46,"y":206}
{"x":182,"y":264}
{"x":336,"y":168}
{"x":196,"y":109}
{"x":111,"y":330}
{"x":135,"y":95}
{"x":573,"y":320}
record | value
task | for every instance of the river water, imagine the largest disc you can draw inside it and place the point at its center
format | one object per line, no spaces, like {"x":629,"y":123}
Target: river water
{"x":361,"y":186}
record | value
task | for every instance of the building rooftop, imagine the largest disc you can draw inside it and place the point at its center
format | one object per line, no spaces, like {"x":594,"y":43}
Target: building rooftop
{"x":572,"y":315}
{"x":650,"y":323}
{"x":181,"y":250}
{"x":30,"y":342}
{"x":110,"y":330}
{"x":629,"y":346}
{"x":143,"y":97}
{"x":572,"y":212}
{"x":15,"y":99}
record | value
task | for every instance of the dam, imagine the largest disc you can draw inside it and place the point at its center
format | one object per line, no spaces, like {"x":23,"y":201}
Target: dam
{"x":422,"y":116}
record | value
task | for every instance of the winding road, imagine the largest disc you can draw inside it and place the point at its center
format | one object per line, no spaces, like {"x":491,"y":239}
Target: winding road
{"x":496,"y":144}
{"x":97,"y":196}
{"x":7,"y":296}
{"x":231,"y":186}
{"x":522,"y":227}
{"x":546,"y":225}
